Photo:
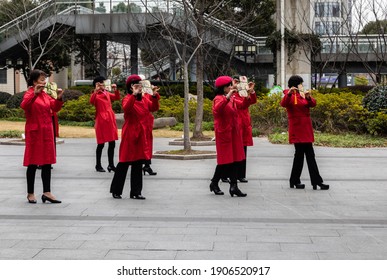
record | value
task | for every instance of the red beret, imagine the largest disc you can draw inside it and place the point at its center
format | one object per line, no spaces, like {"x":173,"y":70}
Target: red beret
{"x":222,"y":81}
{"x":133,"y":78}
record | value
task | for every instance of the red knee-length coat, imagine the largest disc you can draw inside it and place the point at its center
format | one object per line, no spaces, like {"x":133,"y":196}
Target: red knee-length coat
{"x":39,"y":131}
{"x":244,"y":117}
{"x":149,"y":132}
{"x":105,"y":120}
{"x":135,"y":144}
{"x":228,"y":139}
{"x":299,"y":122}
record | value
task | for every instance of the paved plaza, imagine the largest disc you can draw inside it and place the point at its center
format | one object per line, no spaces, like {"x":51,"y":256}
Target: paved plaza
{"x":181,"y":219}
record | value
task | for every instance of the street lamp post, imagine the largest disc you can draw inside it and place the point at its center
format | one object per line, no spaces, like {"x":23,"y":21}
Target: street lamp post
{"x":245,"y":50}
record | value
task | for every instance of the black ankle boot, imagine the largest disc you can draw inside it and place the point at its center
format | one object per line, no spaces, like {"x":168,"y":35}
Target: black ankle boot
{"x":235,"y":190}
{"x":215,"y":188}
{"x":149,"y":170}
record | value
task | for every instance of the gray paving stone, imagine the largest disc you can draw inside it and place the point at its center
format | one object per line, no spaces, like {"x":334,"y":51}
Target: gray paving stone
{"x":182,"y":219}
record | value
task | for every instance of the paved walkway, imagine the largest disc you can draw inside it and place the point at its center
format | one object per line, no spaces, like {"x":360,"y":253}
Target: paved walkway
{"x":181,"y":219}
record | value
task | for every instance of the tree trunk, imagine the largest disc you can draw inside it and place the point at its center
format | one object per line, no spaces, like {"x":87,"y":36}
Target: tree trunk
{"x":198,"y":130}
{"x":187,"y":143}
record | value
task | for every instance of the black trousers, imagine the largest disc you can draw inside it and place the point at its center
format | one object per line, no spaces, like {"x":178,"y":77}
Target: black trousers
{"x":119,"y":178}
{"x":226,"y":171}
{"x":298,"y":163}
{"x":110,"y":152}
{"x":46,"y":177}
{"x":242,"y":166}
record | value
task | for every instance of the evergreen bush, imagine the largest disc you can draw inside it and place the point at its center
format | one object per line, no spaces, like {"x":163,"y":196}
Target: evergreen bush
{"x":71,"y":94}
{"x":15,"y":100}
{"x":79,"y":110}
{"x":376,"y":99}
{"x":4,"y":96}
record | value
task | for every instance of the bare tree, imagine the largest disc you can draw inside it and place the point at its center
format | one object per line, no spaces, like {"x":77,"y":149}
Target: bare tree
{"x":37,"y":32}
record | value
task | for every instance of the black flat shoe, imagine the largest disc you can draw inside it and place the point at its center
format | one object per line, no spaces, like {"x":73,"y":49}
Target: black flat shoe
{"x":46,"y":198}
{"x":225,"y":180}
{"x":149,"y":170}
{"x":297,"y":186}
{"x":99,"y":169}
{"x":322,"y":186}
{"x":243,"y":180}
{"x":116,"y":196}
{"x":139,"y":196}
{"x":215,"y":188}
{"x":111,"y":168}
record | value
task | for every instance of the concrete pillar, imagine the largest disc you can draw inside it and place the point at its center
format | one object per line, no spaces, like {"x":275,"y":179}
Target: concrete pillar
{"x":342,"y":80}
{"x":295,"y":16}
{"x":134,"y":54}
{"x":103,"y":56}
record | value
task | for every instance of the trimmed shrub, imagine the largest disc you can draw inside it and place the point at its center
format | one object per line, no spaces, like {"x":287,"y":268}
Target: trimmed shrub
{"x":4,"y":96}
{"x":267,"y":114}
{"x":174,"y":107}
{"x":79,"y":110}
{"x":71,"y":94}
{"x":376,"y":99}
{"x":15,"y":100}
{"x":338,"y":112}
{"x":377,"y":124}
{"x":84,"y":89}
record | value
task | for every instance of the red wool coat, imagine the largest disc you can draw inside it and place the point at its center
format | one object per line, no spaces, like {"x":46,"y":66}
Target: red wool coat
{"x":299,"y":121}
{"x":229,"y":144}
{"x":134,"y":141}
{"x":105,"y":120}
{"x":244,"y":117}
{"x":149,"y":132}
{"x":39,"y":131}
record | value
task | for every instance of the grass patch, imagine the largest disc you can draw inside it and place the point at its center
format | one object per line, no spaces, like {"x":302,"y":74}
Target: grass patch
{"x":72,"y":123}
{"x":347,"y":140}
{"x":207,"y":126}
{"x":11,"y":134}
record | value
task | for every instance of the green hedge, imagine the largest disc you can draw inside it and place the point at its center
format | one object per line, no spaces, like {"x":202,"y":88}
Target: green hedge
{"x":79,"y":110}
{"x":4,"y":96}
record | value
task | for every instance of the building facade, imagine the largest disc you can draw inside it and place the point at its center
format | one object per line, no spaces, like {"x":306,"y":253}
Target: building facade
{"x":331,"y":17}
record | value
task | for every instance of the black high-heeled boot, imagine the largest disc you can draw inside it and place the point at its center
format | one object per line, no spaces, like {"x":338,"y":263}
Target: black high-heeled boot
{"x":111,"y":168}
{"x":149,"y":170}
{"x":99,"y":169}
{"x":298,"y":186}
{"x":235,"y":190}
{"x":214,"y":187}
{"x":322,"y":186}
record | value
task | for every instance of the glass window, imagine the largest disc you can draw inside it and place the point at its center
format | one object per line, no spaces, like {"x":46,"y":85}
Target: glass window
{"x":3,"y":76}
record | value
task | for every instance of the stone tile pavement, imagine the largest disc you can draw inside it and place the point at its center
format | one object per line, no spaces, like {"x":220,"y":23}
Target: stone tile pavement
{"x":181,"y":219}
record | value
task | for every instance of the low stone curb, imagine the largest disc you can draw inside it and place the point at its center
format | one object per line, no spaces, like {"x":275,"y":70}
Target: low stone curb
{"x":21,"y":142}
{"x":180,"y":142}
{"x":184,"y":157}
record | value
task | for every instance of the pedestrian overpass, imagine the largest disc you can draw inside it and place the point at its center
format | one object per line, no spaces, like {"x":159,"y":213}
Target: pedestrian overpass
{"x":133,"y":21}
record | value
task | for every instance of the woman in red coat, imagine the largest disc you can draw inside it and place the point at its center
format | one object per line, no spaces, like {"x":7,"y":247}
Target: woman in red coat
{"x":229,"y":144}
{"x":105,"y":121}
{"x":40,"y":146}
{"x":135,"y":147}
{"x":149,"y":134}
{"x":245,"y":125}
{"x":297,"y":104}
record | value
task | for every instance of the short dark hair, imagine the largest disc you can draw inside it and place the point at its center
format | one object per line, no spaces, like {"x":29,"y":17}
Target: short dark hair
{"x":98,"y":79}
{"x":34,"y":76}
{"x":294,"y":81}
